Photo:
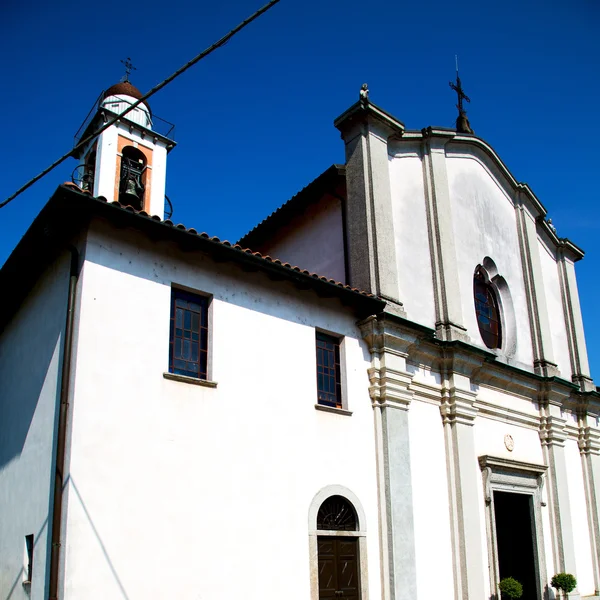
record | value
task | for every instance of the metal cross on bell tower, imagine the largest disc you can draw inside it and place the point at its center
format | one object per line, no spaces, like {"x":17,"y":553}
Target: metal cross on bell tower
{"x":128,"y":68}
{"x":462,"y":122}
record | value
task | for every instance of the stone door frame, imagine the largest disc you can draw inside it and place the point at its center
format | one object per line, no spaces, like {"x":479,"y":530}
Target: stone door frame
{"x":505,"y":475}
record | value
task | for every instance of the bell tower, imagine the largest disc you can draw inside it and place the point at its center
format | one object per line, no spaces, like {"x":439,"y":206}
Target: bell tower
{"x":127,"y":162}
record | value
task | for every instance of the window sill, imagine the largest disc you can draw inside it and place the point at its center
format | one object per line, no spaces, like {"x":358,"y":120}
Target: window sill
{"x":332,"y":409}
{"x":192,"y":380}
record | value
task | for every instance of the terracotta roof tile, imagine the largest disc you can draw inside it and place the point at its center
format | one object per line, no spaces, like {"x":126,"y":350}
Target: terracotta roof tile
{"x":326,"y":182}
{"x":227,"y":244}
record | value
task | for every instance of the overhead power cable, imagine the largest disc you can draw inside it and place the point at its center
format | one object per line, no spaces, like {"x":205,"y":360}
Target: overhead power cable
{"x":153,"y":91}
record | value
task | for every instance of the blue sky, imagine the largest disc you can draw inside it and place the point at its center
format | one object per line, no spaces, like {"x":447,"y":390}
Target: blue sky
{"x":254,"y":120}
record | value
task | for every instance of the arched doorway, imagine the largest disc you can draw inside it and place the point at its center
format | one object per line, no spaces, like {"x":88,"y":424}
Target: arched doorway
{"x":338,"y":550}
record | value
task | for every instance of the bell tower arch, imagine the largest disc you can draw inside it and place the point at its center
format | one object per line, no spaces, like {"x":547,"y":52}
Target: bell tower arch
{"x":127,"y":162}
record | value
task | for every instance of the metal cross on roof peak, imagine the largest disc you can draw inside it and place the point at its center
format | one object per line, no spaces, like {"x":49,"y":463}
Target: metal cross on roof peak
{"x":128,"y":68}
{"x":459,"y":91}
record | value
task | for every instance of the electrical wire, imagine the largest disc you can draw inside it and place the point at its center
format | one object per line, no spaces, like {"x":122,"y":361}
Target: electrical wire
{"x":153,"y":91}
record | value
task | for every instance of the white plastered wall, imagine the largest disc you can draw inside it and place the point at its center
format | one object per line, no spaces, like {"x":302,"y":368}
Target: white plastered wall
{"x":430,"y":500}
{"x":484,"y":224}
{"x":415,"y":280}
{"x":30,"y":370}
{"x":313,"y":241}
{"x":181,"y":491}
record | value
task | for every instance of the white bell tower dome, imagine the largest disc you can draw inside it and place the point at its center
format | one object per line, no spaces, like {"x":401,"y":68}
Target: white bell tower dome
{"x":119,"y":97}
{"x":127,"y":162}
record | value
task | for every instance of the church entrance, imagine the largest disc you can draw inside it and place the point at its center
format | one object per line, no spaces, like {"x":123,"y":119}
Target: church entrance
{"x":515,"y":537}
{"x":338,"y":568}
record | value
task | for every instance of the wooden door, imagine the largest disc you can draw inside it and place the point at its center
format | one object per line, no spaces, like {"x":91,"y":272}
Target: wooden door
{"x":338,"y":568}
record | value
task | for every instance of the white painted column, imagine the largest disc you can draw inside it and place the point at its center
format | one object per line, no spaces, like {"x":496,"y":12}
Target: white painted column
{"x":458,"y":415}
{"x":106,"y":164}
{"x":159,"y":180}
{"x":543,"y":355}
{"x":391,"y":397}
{"x":449,"y":318}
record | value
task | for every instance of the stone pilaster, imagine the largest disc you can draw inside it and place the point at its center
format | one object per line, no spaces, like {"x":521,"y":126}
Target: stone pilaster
{"x":573,"y":319}
{"x":458,"y":415}
{"x":369,"y":225}
{"x":449,"y":319}
{"x":541,"y":334}
{"x":391,"y":397}
{"x":589,"y":446}
{"x":553,"y":436}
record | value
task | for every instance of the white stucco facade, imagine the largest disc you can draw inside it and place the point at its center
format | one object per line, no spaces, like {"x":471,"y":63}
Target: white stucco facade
{"x":30,"y":373}
{"x":224,"y":472}
{"x":314,"y":240}
{"x":178,"y":487}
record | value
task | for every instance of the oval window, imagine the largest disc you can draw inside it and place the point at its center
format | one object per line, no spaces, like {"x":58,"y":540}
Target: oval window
{"x":487,"y":311}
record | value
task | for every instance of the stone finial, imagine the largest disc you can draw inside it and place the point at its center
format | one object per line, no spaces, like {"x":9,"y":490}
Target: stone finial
{"x":462,"y":123}
{"x":364,"y":93}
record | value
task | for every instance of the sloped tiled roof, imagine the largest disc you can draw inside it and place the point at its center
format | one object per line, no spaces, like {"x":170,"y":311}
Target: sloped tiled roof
{"x":327,"y":182}
{"x":70,"y":208}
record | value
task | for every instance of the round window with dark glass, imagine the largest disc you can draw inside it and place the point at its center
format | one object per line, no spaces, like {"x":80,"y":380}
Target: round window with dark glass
{"x":487,"y":311}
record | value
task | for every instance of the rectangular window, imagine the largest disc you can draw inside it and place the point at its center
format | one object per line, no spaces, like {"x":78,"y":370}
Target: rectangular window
{"x":28,"y":566}
{"x":188,"y":348}
{"x":329,"y":381}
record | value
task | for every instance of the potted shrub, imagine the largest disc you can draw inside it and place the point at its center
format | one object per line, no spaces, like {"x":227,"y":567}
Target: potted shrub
{"x":564,"y":582}
{"x":510,"y":588}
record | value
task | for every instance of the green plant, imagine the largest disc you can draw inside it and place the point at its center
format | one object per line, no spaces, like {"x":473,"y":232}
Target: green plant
{"x":564,"y":581}
{"x":511,"y":588}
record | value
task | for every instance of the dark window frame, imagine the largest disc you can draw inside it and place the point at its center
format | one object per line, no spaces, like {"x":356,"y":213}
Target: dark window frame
{"x":487,"y":311}
{"x":189,"y":334}
{"x":337,"y":513}
{"x":329,"y":370}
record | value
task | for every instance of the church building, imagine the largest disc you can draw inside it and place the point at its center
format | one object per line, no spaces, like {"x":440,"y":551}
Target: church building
{"x":381,"y":392}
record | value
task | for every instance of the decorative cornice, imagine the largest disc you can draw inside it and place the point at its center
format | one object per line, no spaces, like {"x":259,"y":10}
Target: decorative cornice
{"x":391,"y":335}
{"x":458,"y":407}
{"x":497,"y":468}
{"x":585,"y":383}
{"x":552,"y":431}
{"x":384,"y":335}
{"x":589,"y":441}
{"x":496,"y":463}
{"x":389,"y":388}
{"x":508,"y":415}
{"x":457,"y":359}
{"x":364,"y":111}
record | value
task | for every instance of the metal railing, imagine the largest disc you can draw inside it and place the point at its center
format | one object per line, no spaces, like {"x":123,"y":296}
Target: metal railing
{"x":158,"y":125}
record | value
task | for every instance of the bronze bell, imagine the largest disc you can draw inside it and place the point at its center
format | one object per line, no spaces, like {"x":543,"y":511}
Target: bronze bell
{"x":132,"y":193}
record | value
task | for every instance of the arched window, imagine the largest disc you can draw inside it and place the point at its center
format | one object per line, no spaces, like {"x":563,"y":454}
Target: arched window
{"x":487,"y":311}
{"x":337,"y":514}
{"x":131,"y":185}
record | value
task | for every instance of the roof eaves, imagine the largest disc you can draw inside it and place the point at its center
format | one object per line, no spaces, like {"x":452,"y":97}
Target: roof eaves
{"x":70,"y":207}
